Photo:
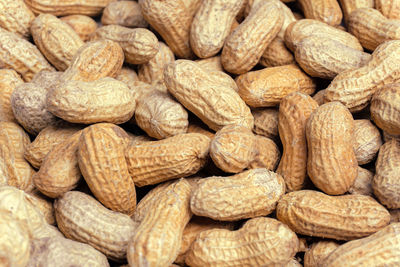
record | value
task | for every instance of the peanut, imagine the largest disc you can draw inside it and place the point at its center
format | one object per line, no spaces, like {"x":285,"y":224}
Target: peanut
{"x":277,"y":54}
{"x":266,"y":122}
{"x":267,"y":154}
{"x":16,"y":17}
{"x":124,"y":13}
{"x":318,"y":252}
{"x":327,"y":11}
{"x":211,"y":63}
{"x":345,"y":217}
{"x":9,"y":79}
{"x":367,"y":141}
{"x":127,"y":75}
{"x":63,"y":8}
{"x":83,"y":25}
{"x":389,"y":8}
{"x":45,"y":205}
{"x":363,"y":183}
{"x":349,"y":6}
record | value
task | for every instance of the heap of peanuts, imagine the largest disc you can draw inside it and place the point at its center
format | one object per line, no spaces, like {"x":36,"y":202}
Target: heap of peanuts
{"x":199,"y":133}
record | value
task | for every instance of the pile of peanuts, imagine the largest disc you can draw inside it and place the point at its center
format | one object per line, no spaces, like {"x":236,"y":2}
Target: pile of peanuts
{"x":159,"y":133}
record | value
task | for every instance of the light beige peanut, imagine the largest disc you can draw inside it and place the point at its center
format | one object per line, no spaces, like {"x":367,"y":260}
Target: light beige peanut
{"x":223,"y":79}
{"x":139,"y":45}
{"x":174,"y":157}
{"x":124,"y":13}
{"x":331,"y":162}
{"x":345,"y":217}
{"x":387,"y":137}
{"x":267,"y":154}
{"x":325,"y":58}
{"x":201,"y":129}
{"x":267,"y":87}
{"x":372,"y":28}
{"x":59,"y":171}
{"x":164,"y":218}
{"x":127,"y":75}
{"x":277,"y":54}
{"x":319,"y":97}
{"x":15,"y":240}
{"x":57,"y":41}
{"x":266,"y":122}
{"x":385,"y":108}
{"x":211,"y":63}
{"x":327,"y":11}
{"x":14,"y":169}
{"x":104,"y":100}
{"x":261,"y":241}
{"x":195,"y":226}
{"x":28,"y":102}
{"x":16,"y":17}
{"x":49,"y":137}
{"x":245,"y":46}
{"x":367,"y":141}
{"x":349,"y":6}
{"x":9,"y":79}
{"x":318,"y":252}
{"x":44,"y":205}
{"x":172,"y":20}
{"x":214,"y":104}
{"x":294,"y":112}
{"x":153,"y":71}
{"x":47,"y":79}
{"x":101,"y":157}
{"x":385,"y":183}
{"x":304,"y":28}
{"x":83,"y":25}
{"x":72,"y":7}
{"x":389,"y":8}
{"x":354,"y":88}
{"x":219,"y":198}
{"x":22,"y":56}
{"x":206,"y":37}
{"x":62,"y":251}
{"x":82,"y":218}
{"x":160,"y":116}
{"x":363,"y":183}
{"x":95,"y":60}
{"x":394,"y":215}
{"x":379,"y":249}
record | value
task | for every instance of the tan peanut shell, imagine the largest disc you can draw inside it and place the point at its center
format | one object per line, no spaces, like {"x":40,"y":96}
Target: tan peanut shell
{"x":174,"y":157}
{"x":214,"y":104}
{"x":82,"y":218}
{"x":267,"y":87}
{"x":124,"y":13}
{"x":63,"y":251}
{"x":277,"y":54}
{"x":164,"y":219}
{"x":245,"y":195}
{"x":57,"y":41}
{"x":127,"y":75}
{"x":206,"y":37}
{"x":223,"y":79}
{"x":294,"y":112}
{"x":172,"y":20}
{"x":233,"y":148}
{"x":153,"y":71}
{"x":211,"y":63}
{"x":394,"y":215}
{"x":325,"y":58}
{"x":28,"y":102}
{"x":201,"y":129}
{"x":95,"y":60}
{"x":14,"y":169}
{"x":69,"y":7}
{"x":9,"y":79}
{"x":319,"y":97}
{"x":367,"y":141}
{"x":104,"y":100}
{"x":195,"y":226}
{"x":16,"y":17}
{"x":160,"y":116}
{"x":83,"y":25}
{"x":47,"y":79}
{"x":266,"y":122}
{"x":372,"y":28}
{"x":363,"y":183}
{"x":267,"y":154}
{"x":22,"y":56}
{"x":14,"y":242}
{"x":327,"y":11}
{"x":305,"y":28}
{"x":386,"y":183}
{"x":101,"y":157}
{"x":354,"y":88}
{"x":318,"y":252}
{"x":260,"y":242}
{"x":379,"y":249}
{"x":139,"y":45}
{"x":44,"y":205}
{"x":389,"y":8}
{"x":331,"y":162}
{"x":244,"y":47}
{"x":347,"y":217}
{"x":349,"y":6}
{"x":49,"y":137}
{"x":59,"y":171}
{"x":385,"y":108}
